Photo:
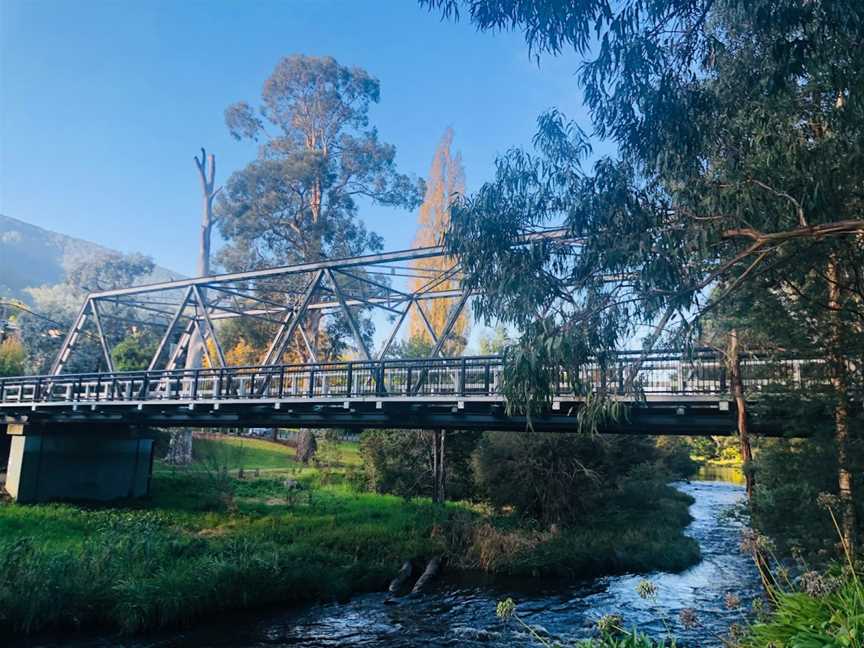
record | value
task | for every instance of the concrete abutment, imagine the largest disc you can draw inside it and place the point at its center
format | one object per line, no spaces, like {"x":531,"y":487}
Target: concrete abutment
{"x":77,"y":463}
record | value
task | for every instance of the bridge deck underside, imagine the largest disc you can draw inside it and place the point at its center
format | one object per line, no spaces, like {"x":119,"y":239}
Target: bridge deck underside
{"x":678,"y":417}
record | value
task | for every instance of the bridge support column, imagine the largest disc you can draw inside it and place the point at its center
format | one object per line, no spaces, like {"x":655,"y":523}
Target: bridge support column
{"x":73,"y":463}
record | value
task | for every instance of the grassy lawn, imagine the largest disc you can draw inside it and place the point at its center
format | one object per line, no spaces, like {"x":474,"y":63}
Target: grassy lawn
{"x":205,"y":541}
{"x":208,"y":540}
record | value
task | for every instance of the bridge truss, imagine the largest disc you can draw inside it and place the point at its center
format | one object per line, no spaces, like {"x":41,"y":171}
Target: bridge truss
{"x":282,"y":299}
{"x":675,"y":392}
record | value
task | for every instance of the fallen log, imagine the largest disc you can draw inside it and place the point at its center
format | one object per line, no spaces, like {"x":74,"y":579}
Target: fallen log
{"x":430,"y":572}
{"x":402,"y":577}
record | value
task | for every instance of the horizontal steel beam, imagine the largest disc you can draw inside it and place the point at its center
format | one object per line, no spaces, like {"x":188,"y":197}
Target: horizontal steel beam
{"x":333,"y":264}
{"x":648,"y":419}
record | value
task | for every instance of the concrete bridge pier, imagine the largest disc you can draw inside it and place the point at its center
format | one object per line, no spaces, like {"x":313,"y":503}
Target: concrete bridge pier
{"x":77,"y":462}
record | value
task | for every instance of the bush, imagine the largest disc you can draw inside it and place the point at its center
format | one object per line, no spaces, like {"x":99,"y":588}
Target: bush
{"x":790,"y":474}
{"x":399,"y":462}
{"x":558,"y":477}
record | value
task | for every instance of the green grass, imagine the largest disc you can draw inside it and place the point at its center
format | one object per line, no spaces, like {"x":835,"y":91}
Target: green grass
{"x":252,"y":453}
{"x":799,"y":619}
{"x":206,"y":542}
{"x":163,"y":564}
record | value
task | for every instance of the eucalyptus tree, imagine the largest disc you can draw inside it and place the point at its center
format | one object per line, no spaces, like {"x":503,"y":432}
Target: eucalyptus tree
{"x":298,"y":200}
{"x":318,"y":155}
{"x":739,"y":129}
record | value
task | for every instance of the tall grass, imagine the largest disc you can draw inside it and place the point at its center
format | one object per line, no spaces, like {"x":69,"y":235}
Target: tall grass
{"x":816,"y":609}
{"x":631,"y":533}
{"x":188,"y":556}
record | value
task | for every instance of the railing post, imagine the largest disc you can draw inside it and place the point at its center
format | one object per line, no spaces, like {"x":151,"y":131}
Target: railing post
{"x":462,"y":376}
{"x":37,"y":396}
{"x":2,"y":390}
{"x":349,"y":378}
{"x":98,"y":385}
{"x":487,"y":378}
{"x":408,"y":381}
{"x":195,"y":376}
{"x":311,"y":383}
{"x":281,"y":380}
{"x":379,"y":379}
{"x":620,"y":370}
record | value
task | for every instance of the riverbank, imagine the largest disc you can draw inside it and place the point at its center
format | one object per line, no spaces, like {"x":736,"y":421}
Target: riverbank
{"x":210,"y":540}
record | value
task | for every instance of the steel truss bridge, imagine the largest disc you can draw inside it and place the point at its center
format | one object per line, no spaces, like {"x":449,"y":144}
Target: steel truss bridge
{"x":81,"y":434}
{"x":676,"y":393}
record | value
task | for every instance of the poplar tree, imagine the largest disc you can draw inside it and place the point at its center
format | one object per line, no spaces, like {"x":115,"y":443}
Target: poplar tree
{"x":445,"y":182}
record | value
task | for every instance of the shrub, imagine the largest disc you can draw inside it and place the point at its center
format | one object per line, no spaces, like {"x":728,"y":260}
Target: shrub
{"x":400,"y":462}
{"x":557,"y":477}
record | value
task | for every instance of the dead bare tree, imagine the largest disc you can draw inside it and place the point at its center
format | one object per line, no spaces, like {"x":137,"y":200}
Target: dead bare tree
{"x":180,"y":447}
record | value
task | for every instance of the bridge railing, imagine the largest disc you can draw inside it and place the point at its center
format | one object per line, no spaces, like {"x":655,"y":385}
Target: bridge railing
{"x":702,"y":372}
{"x":477,"y":376}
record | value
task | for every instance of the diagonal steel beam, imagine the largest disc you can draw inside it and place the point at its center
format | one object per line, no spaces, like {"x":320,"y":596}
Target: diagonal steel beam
{"x":168,"y":333}
{"x":290,"y":321}
{"x":201,"y":334}
{"x":210,"y":330}
{"x":70,"y":340}
{"x":313,"y":357}
{"x":426,"y":322}
{"x":393,"y":332}
{"x":352,"y":323}
{"x":455,"y":312}
{"x":102,"y":341}
{"x":182,"y":344}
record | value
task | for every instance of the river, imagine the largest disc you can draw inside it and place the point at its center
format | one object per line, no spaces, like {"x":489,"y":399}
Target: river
{"x":462,"y":612}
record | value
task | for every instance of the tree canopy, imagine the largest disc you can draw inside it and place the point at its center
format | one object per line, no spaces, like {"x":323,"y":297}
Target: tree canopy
{"x":739,"y":128}
{"x":317,"y":157}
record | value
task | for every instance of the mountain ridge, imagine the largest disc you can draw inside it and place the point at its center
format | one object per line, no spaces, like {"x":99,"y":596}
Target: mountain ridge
{"x":32,"y":256}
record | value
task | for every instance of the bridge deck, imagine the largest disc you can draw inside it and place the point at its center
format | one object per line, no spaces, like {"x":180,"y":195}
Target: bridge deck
{"x":674,"y":395}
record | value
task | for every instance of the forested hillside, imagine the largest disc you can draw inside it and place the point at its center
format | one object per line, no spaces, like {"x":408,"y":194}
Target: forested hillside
{"x":31,"y":256}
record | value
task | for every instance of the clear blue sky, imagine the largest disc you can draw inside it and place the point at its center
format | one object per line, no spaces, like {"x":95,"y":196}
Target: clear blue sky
{"x":103,"y":104}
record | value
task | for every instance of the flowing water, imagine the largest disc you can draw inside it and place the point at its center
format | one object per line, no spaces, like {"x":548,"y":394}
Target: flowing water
{"x":462,"y":612}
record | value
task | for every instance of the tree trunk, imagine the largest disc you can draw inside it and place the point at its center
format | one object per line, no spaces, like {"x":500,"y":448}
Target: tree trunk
{"x":737,"y":385}
{"x":180,"y":444}
{"x":180,"y":447}
{"x":306,"y":446}
{"x":312,"y":320}
{"x":839,"y":381}
{"x":434,"y":440}
{"x":439,"y":472}
{"x":442,"y":470}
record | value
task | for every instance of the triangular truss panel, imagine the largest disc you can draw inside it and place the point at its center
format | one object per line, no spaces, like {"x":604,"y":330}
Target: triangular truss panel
{"x":282,"y":304}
